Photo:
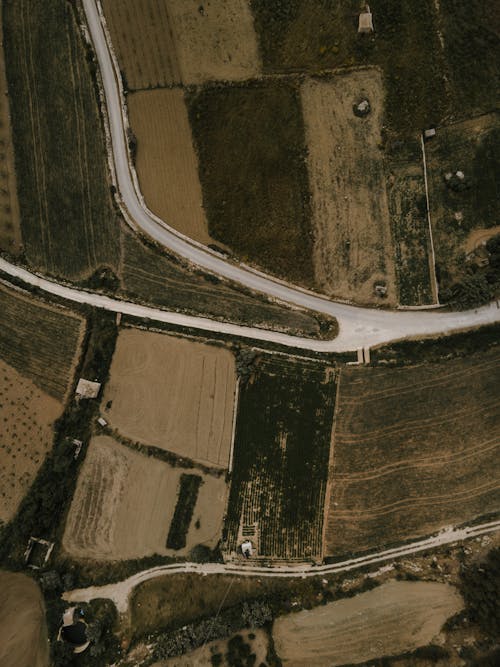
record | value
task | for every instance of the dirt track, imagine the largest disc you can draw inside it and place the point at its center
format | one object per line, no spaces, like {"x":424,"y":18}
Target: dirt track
{"x":394,"y":618}
{"x":23,"y":632}
{"x":166,"y":162}
{"x":173,"y":393}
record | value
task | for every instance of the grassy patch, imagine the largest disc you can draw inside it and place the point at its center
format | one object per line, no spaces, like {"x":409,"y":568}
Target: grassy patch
{"x":251,"y":146}
{"x":281,"y":455}
{"x":322,"y":34}
{"x":183,"y":513}
{"x":40,"y":342}
{"x":151,"y":276}
{"x":410,"y":229}
{"x":68,"y":223}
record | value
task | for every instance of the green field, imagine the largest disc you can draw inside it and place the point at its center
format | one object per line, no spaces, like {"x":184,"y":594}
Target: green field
{"x":40,"y":342}
{"x":472,"y":147}
{"x":68,"y":224}
{"x":251,"y":146}
{"x":410,"y":228}
{"x":281,"y":455}
{"x":322,"y":34}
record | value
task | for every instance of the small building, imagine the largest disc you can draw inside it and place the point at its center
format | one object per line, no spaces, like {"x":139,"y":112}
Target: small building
{"x":37,"y":552}
{"x":365,"y":21}
{"x":73,"y":630}
{"x":102,"y":422}
{"x":247,"y":549}
{"x":430,"y":133}
{"x":87,"y":388}
{"x":78,"y":448}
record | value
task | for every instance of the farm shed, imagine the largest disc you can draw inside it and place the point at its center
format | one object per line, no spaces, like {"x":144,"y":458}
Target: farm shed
{"x":87,"y":388}
{"x":365,"y":24}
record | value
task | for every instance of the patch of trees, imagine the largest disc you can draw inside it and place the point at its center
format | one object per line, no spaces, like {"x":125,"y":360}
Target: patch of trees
{"x":480,"y":586}
{"x":183,"y":513}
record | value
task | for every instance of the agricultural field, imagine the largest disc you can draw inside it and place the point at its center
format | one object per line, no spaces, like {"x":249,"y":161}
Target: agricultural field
{"x":10,"y":223}
{"x":352,"y":234}
{"x":321,"y":35}
{"x":68,"y":224}
{"x":124,"y":504}
{"x":251,"y":146}
{"x":464,"y":213}
{"x":27,"y":415}
{"x":395,"y":618}
{"x":173,"y":393}
{"x":281,"y":455}
{"x":410,"y":227}
{"x":40,"y":342}
{"x":167,"y":42}
{"x":23,"y":628}
{"x":166,"y":163}
{"x":149,"y":276}
{"x":414,"y":449}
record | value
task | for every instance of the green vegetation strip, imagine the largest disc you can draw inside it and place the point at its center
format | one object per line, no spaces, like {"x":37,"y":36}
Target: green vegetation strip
{"x":251,"y":145}
{"x":281,"y":456}
{"x":68,"y":223}
{"x":183,"y":513}
{"x":38,"y":341}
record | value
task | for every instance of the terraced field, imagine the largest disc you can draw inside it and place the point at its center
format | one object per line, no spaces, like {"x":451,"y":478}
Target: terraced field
{"x":414,"y":449}
{"x":281,"y":459}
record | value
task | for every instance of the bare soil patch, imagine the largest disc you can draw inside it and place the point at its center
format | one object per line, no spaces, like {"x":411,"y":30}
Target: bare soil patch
{"x":23,"y":631}
{"x":166,"y":161}
{"x":124,"y":503}
{"x":353,"y":248}
{"x":394,"y":618}
{"x":164,"y":42}
{"x":173,"y":393}
{"x":27,"y":415}
{"x":10,"y":219}
{"x":414,"y":449}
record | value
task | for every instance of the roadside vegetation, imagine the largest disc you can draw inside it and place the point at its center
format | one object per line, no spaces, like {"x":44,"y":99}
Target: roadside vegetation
{"x":281,"y":454}
{"x":251,"y":146}
{"x":69,"y":227}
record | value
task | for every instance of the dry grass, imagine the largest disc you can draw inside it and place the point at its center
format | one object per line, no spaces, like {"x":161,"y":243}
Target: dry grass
{"x":10,"y":221}
{"x":173,"y":393}
{"x":414,"y":449}
{"x":26,"y":417}
{"x":166,"y":162}
{"x":353,"y":248}
{"x":23,"y":630}
{"x":394,"y":618}
{"x":164,"y":42}
{"x":124,"y":503}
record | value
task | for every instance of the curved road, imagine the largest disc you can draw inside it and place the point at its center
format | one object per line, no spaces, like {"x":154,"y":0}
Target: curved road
{"x":359,"y":327}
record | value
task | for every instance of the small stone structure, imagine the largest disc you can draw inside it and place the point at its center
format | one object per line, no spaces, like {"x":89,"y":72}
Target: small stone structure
{"x":87,"y":388}
{"x":365,"y":21}
{"x":362,"y":107}
{"x":37,"y":552}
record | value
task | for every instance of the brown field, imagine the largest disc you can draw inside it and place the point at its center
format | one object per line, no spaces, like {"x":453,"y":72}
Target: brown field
{"x":396,"y":617}
{"x":23,"y":629}
{"x":166,"y":163}
{"x":174,"y":394}
{"x":27,"y":416}
{"x":353,"y":248}
{"x":124,"y":503}
{"x":164,"y":42}
{"x":10,"y":221}
{"x":415,"y":449}
{"x":40,"y":341}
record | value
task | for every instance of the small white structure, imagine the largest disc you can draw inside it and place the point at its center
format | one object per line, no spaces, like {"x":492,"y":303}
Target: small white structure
{"x":365,"y":22}
{"x":431,"y":132}
{"x":44,"y":550}
{"x":87,"y":388}
{"x":459,"y":216}
{"x":247,"y":549}
{"x":102,"y":422}
{"x":78,"y":447}
{"x":460,"y":175}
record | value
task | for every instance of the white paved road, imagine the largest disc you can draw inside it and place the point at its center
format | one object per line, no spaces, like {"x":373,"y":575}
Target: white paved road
{"x":359,"y":327}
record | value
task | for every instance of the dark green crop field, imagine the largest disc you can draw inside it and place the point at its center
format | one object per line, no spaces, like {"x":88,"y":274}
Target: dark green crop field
{"x":251,"y":146}
{"x":40,"y":342}
{"x":281,"y":455}
{"x":68,"y":224}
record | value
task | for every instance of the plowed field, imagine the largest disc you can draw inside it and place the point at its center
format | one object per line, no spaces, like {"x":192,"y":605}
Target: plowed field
{"x":166,"y":162}
{"x":161,"y":42}
{"x":124,"y":503}
{"x":415,"y":449}
{"x":173,"y":393}
{"x":353,"y":248}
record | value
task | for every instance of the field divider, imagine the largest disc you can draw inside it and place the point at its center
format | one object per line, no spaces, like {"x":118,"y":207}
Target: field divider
{"x":432,"y":261}
{"x":233,"y":430}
